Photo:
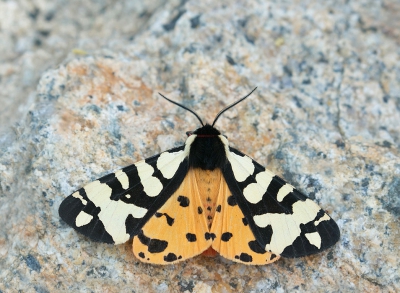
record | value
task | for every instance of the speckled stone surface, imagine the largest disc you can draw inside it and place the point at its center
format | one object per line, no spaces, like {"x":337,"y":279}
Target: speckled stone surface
{"x":325,"y":116}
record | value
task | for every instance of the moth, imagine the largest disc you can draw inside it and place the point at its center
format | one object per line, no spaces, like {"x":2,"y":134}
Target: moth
{"x":202,"y":196}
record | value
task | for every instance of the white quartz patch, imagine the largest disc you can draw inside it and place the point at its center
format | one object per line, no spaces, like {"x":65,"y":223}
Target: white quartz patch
{"x":286,"y":227}
{"x":113,"y":214}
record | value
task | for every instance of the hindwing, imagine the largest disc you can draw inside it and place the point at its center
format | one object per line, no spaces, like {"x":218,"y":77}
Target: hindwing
{"x":234,"y":238}
{"x":178,"y":230}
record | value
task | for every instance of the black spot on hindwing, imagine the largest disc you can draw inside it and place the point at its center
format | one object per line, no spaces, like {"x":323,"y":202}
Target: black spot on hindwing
{"x":170,"y":220}
{"x":244,"y":257}
{"x":199,"y":210}
{"x":170,"y":257}
{"x":209,"y":236}
{"x":184,"y":201}
{"x":226,"y":236}
{"x":154,"y":245}
{"x":191,"y":237}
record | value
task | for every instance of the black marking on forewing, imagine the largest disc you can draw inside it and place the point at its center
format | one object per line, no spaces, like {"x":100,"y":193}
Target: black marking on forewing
{"x":71,"y":206}
{"x":70,"y":209}
{"x":218,"y":209}
{"x":268,"y":233}
{"x":135,"y":189}
{"x":169,"y":187}
{"x":130,"y":224}
{"x":199,"y":210}
{"x":328,"y":231}
{"x":114,"y":184}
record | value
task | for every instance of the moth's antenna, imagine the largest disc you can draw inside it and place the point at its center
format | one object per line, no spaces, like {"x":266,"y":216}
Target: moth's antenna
{"x":230,"y":106}
{"x":182,"y":106}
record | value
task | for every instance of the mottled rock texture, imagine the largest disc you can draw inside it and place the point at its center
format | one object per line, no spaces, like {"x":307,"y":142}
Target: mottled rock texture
{"x":325,"y":116}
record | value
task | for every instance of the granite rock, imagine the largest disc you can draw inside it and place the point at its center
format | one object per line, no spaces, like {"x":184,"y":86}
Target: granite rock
{"x":325,"y":116}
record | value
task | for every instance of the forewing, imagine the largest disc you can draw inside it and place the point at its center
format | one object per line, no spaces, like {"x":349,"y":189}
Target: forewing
{"x":283,"y":220}
{"x":113,"y":208}
{"x":178,"y":230}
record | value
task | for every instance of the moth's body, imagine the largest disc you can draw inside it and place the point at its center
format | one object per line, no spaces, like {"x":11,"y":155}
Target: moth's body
{"x":204,"y":212}
{"x":201,"y":195}
{"x":206,"y":158}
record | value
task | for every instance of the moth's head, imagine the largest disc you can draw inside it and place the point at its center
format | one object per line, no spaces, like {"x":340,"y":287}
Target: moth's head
{"x":207,"y":129}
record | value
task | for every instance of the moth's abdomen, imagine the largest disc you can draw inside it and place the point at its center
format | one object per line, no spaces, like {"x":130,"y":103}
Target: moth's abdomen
{"x":208,"y":182}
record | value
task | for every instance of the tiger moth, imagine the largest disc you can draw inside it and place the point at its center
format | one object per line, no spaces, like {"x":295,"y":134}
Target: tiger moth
{"x":201,"y":197}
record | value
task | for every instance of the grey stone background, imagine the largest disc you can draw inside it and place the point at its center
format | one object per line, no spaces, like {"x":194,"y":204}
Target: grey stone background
{"x":79,"y":83}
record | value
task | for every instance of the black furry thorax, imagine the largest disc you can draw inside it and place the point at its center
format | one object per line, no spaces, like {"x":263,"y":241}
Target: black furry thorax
{"x":207,"y":151}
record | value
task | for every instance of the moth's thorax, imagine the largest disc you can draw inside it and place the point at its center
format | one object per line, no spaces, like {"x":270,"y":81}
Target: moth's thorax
{"x":208,"y":184}
{"x":207,"y":151}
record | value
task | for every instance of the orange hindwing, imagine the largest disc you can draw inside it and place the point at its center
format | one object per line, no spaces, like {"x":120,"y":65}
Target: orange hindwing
{"x":234,"y":239}
{"x":178,"y":230}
